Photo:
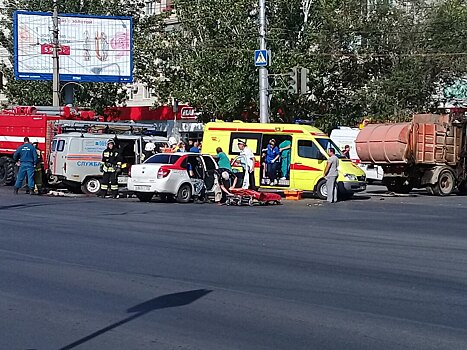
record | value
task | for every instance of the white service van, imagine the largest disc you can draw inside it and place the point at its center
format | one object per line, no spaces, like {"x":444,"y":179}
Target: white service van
{"x":75,"y":157}
{"x":345,"y":135}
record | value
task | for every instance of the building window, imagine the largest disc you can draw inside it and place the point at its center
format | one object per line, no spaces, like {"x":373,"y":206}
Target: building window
{"x":150,"y":8}
{"x":156,"y":7}
{"x":147,"y":92}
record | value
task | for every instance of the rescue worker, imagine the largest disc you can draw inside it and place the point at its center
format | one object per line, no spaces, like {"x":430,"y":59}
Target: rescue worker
{"x":110,"y":165}
{"x":247,"y":162}
{"x":26,"y":155}
{"x":272,"y":161}
{"x":364,"y":123}
{"x":39,"y":170}
{"x":149,"y":151}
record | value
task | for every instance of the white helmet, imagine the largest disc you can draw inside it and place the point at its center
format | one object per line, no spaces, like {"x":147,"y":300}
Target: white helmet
{"x":149,"y":147}
{"x":225,"y":175}
{"x":172,"y":141}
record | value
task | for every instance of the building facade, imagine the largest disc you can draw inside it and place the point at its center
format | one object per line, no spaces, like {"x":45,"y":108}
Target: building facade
{"x":139,"y":94}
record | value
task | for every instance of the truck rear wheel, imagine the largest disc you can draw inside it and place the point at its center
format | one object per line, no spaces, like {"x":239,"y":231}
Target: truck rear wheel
{"x":445,"y":185}
{"x":7,"y":171}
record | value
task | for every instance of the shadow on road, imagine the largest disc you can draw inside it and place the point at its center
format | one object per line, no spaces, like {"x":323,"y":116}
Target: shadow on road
{"x":360,"y":197}
{"x":23,"y":206}
{"x":162,"y":302}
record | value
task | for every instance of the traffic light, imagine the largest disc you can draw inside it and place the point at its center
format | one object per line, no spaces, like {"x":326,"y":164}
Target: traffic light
{"x":304,"y":80}
{"x":292,"y":82}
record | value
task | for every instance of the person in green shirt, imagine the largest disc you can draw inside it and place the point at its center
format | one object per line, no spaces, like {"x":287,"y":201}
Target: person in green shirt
{"x":284,"y":148}
{"x":222,"y":159}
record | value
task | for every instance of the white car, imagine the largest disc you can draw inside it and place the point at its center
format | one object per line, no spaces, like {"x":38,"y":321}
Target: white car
{"x":172,"y":175}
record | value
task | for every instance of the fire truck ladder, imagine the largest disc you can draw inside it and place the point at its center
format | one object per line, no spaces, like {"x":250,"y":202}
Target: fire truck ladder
{"x":94,"y":127}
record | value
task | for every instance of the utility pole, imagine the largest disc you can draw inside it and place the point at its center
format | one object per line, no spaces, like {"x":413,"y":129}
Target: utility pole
{"x":56,"y":47}
{"x":263,"y":71}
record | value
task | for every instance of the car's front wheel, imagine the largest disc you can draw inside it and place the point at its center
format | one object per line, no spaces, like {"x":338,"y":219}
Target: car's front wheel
{"x":321,"y":189}
{"x":184,"y":193}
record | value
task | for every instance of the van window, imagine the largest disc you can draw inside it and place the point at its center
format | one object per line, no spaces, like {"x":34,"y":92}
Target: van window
{"x":253,"y":142}
{"x":163,"y":158}
{"x":60,"y":145}
{"x":54,"y":145}
{"x":308,"y":149}
{"x":327,"y":144}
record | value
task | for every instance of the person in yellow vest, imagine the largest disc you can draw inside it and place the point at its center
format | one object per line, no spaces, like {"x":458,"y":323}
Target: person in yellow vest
{"x":364,"y":123}
{"x":110,"y":166}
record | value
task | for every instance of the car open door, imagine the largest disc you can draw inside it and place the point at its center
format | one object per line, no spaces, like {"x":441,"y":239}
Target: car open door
{"x":210,"y":166}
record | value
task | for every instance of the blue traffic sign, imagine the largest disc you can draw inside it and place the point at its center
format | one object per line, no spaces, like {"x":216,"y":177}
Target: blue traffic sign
{"x":261,"y":58}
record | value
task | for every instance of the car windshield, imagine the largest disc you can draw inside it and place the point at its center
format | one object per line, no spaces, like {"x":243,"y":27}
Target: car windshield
{"x":327,"y":144}
{"x":163,"y":159}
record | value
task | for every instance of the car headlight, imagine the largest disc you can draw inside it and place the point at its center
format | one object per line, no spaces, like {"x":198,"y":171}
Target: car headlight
{"x":350,"y":177}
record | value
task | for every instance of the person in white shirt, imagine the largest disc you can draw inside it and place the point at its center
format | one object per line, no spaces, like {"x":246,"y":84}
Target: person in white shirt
{"x":247,"y":159}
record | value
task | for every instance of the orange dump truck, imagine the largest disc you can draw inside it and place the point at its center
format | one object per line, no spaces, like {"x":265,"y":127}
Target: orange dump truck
{"x":430,"y":151}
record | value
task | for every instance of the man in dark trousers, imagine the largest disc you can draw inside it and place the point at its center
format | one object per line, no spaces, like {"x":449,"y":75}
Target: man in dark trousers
{"x":39,"y":173}
{"x":111,"y":164}
{"x":27,"y":157}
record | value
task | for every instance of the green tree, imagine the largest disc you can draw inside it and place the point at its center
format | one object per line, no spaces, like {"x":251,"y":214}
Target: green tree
{"x":94,"y":95}
{"x":207,"y":60}
{"x":385,"y":60}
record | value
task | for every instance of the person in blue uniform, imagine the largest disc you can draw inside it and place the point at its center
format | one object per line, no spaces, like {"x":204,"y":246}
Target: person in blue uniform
{"x":272,"y":161}
{"x":26,"y":155}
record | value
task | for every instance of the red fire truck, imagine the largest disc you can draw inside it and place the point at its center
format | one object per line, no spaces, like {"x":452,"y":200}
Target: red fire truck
{"x":37,"y":124}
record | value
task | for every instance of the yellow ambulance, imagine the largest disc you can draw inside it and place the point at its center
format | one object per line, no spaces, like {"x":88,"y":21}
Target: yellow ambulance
{"x":303,"y":155}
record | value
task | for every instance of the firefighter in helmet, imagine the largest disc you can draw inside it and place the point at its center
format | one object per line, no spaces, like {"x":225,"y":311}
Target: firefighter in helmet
{"x":110,"y":166}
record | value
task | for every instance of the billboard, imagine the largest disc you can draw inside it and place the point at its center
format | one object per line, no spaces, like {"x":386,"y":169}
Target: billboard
{"x":92,"y":48}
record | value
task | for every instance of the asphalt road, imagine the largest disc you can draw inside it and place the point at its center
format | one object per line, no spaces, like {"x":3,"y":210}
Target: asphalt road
{"x":372,"y":273}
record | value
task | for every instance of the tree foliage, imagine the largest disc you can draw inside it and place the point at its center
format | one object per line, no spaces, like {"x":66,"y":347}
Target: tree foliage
{"x":384,"y":61}
{"x":94,"y":95}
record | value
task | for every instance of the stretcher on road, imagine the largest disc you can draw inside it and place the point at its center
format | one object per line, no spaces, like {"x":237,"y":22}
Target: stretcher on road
{"x":242,"y":196}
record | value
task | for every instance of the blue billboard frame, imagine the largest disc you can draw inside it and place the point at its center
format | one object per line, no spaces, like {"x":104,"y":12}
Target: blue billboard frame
{"x":84,"y":78}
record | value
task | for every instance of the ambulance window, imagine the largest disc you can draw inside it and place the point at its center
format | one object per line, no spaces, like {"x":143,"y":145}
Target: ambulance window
{"x":54,"y":145}
{"x":308,"y":149}
{"x":60,"y":145}
{"x":327,"y":144}
{"x":253,"y":142}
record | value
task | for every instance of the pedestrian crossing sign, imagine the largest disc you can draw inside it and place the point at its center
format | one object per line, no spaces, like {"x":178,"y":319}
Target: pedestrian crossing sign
{"x":261,"y":58}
